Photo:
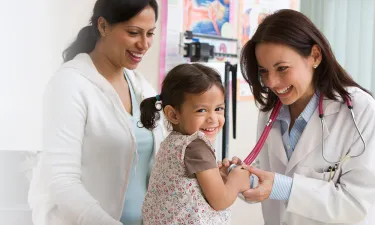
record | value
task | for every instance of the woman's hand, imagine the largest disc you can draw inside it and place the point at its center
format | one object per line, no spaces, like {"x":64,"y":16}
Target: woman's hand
{"x":264,"y":189}
{"x":225,"y":164}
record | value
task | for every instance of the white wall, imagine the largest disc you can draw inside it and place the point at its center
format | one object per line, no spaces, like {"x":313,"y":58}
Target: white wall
{"x":23,"y":41}
{"x":34,"y":33}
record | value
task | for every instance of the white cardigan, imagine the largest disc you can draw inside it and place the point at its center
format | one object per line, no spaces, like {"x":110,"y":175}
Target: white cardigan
{"x":88,"y":147}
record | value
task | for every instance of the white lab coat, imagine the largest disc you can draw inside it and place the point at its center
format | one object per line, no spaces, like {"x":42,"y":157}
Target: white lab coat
{"x":349,"y":199}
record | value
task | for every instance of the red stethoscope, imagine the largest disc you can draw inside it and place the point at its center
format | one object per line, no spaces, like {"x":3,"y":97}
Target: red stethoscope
{"x":275,"y":112}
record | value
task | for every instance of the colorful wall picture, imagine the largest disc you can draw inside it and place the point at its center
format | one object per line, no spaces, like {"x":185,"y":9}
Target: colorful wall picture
{"x":208,"y":17}
{"x":253,"y":12}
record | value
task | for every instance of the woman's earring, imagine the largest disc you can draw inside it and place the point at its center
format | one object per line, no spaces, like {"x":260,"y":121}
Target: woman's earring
{"x":315,"y":66}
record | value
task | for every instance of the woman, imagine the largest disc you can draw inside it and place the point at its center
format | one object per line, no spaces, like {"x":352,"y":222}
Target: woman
{"x":289,"y":60}
{"x":95,"y":160}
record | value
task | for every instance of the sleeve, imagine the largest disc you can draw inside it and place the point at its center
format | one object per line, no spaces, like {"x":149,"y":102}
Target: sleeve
{"x":64,"y":119}
{"x":282,"y":186}
{"x":199,"y":157}
{"x":350,"y":200}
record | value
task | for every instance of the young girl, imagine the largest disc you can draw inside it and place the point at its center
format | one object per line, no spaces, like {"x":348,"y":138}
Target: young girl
{"x":185,"y":185}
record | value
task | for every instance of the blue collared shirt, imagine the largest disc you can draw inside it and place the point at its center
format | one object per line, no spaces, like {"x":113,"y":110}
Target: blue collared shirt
{"x":282,"y":185}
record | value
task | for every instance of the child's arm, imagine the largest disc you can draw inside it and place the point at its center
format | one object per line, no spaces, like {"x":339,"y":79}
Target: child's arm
{"x":219,"y":195}
{"x":201,"y":162}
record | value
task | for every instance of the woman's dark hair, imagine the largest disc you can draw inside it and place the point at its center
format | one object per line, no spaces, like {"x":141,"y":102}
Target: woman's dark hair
{"x":185,"y":78}
{"x":293,"y":29}
{"x":113,"y":11}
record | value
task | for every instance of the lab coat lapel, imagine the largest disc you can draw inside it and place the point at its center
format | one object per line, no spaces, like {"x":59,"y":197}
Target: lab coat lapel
{"x":275,"y":144}
{"x":311,"y":138}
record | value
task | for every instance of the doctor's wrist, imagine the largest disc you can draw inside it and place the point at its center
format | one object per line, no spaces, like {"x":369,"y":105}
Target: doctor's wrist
{"x":281,"y":188}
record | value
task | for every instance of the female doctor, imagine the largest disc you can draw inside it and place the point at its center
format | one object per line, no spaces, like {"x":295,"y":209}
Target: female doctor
{"x":322,"y":166}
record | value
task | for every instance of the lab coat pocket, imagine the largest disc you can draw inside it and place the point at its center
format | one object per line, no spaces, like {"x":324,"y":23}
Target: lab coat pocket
{"x":312,"y":173}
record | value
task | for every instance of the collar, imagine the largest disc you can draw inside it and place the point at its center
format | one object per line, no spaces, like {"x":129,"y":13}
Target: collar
{"x":306,"y":114}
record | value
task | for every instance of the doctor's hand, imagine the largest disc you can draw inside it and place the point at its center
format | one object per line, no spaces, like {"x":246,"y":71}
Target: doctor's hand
{"x":263,"y":191}
{"x":225,"y":164}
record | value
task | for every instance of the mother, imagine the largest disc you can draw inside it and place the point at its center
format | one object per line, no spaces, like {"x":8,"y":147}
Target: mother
{"x":94,"y":166}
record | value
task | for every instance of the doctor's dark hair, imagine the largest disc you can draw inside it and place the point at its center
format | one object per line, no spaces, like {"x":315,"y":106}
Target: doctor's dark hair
{"x":183,"y":79}
{"x":113,"y":11}
{"x":295,"y":30}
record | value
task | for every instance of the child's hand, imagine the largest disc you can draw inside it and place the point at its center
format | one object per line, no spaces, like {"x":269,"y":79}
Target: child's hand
{"x":225,"y":164}
{"x":223,"y":172}
{"x":240,"y":176}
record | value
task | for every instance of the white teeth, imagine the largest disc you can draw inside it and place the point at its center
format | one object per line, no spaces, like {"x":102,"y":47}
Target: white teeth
{"x":136,"y":54}
{"x":208,"y":129}
{"x":283,"y":91}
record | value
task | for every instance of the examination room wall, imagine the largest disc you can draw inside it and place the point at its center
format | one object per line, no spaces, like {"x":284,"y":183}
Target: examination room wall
{"x":25,"y":67}
{"x":34,"y":33}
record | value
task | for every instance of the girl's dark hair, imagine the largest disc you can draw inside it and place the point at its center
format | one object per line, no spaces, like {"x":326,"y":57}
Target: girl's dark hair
{"x":185,"y":78}
{"x":113,"y":11}
{"x":293,"y":29}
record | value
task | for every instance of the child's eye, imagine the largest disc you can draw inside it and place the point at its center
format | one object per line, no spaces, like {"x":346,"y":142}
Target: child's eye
{"x":201,"y":110}
{"x":220,"y":109}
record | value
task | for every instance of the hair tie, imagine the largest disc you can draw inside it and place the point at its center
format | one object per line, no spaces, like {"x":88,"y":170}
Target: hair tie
{"x":158,"y":104}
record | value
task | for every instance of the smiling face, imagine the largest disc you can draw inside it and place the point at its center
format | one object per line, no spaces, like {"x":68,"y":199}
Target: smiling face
{"x":125,"y":43}
{"x":204,"y":112}
{"x":285,"y":72}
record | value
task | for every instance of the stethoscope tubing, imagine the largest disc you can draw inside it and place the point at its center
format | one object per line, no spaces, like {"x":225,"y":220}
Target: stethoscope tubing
{"x":275,"y":112}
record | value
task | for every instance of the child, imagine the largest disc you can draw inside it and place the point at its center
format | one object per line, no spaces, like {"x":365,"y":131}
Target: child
{"x":185,"y":185}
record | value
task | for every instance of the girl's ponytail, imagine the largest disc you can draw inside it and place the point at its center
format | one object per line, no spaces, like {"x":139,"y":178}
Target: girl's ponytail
{"x":150,"y":114}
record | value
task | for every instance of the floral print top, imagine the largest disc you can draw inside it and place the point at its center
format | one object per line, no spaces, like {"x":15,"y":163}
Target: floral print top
{"x":173,"y":197}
